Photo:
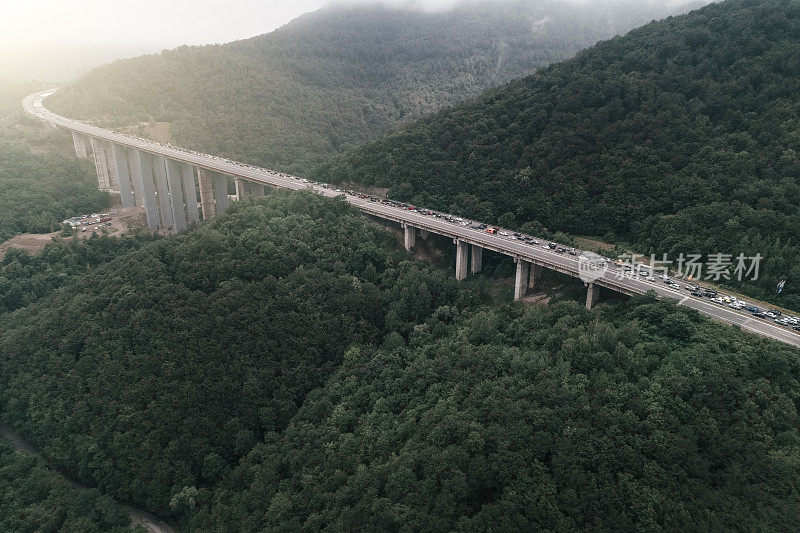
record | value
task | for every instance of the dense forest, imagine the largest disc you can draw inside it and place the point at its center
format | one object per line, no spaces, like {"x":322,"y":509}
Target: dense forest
{"x":34,"y":498}
{"x":680,"y":137}
{"x":26,"y":278}
{"x":285,"y":366}
{"x":41,"y":183}
{"x":341,"y":75}
{"x":162,"y":368}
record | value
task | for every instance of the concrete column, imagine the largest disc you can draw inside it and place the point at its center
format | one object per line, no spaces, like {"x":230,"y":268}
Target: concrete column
{"x":409,"y":237}
{"x":136,"y":176}
{"x":107,"y":149}
{"x":242,"y":188}
{"x":100,"y":164}
{"x":162,"y":189}
{"x":80,"y":144}
{"x":521,"y":281}
{"x":535,"y":275}
{"x":592,"y":295}
{"x":176,"y":195}
{"x":189,"y":192}
{"x":477,"y":259}
{"x":123,"y":175}
{"x":220,"y":192}
{"x":462,"y":250}
{"x":206,"y":193}
{"x":145,"y":168}
{"x":256,"y":189}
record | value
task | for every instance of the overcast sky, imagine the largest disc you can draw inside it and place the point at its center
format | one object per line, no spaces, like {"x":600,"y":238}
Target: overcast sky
{"x":163,"y":23}
{"x":156,"y":23}
{"x":166,"y":23}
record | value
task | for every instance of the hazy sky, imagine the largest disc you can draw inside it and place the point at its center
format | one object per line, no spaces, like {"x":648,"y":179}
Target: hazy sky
{"x":157,"y":23}
{"x":166,"y":23}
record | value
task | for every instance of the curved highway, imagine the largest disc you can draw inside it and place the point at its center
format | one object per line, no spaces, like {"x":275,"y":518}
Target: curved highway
{"x":502,"y":241}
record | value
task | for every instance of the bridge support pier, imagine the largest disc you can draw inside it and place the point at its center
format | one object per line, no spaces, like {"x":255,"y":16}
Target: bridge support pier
{"x":409,"y":236}
{"x":80,"y":145}
{"x":136,"y":176}
{"x":107,"y":147}
{"x":144,"y":175}
{"x":521,"y":280}
{"x":592,"y":295}
{"x":535,"y":275}
{"x":242,"y":191}
{"x":462,"y":250}
{"x":206,"y":193}
{"x":477,"y":259}
{"x":100,"y":163}
{"x":176,"y":195}
{"x":220,"y":192}
{"x":123,"y":175}
{"x":190,"y":192}
{"x":162,"y":190}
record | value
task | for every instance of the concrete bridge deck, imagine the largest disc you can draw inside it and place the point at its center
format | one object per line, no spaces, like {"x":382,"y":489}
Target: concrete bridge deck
{"x":163,"y":178}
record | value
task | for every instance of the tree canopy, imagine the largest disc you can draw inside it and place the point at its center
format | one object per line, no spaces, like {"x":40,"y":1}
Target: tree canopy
{"x":41,"y":183}
{"x":285,"y":366}
{"x":680,"y":137}
{"x":341,"y":75}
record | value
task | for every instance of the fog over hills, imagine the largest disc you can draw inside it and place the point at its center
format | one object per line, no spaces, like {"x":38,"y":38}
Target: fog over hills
{"x":341,"y":75}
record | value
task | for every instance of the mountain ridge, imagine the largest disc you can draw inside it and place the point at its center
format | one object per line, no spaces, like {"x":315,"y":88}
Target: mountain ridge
{"x":336,"y":77}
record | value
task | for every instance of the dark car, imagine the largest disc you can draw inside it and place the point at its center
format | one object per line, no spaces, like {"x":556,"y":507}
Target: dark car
{"x":697,"y":294}
{"x":752,"y":308}
{"x":796,"y":328}
{"x":775,"y":312}
{"x":760,"y":314}
{"x":711,"y":293}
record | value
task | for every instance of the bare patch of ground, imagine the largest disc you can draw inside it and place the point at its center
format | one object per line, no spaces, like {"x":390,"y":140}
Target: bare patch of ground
{"x":122,"y":221}
{"x":380,"y":192}
{"x":159,"y":131}
{"x":585,"y":243}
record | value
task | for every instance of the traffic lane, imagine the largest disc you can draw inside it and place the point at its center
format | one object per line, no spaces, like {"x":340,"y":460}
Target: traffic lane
{"x":788,"y":337}
{"x":525,"y":250}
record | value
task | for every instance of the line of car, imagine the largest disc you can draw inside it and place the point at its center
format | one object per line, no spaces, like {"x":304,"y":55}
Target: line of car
{"x":627,"y":268}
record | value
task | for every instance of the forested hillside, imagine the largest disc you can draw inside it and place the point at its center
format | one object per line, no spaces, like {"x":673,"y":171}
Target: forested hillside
{"x":163,"y":368}
{"x":341,"y":75}
{"x":34,"y":498}
{"x":681,"y":136}
{"x":639,"y":417}
{"x":40,"y":183}
{"x":285,"y":367}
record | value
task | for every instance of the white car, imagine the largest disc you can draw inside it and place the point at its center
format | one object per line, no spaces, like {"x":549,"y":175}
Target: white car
{"x":504,"y":233}
{"x":650,"y":278}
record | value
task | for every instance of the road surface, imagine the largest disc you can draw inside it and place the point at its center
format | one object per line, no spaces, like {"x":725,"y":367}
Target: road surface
{"x":505,"y":244}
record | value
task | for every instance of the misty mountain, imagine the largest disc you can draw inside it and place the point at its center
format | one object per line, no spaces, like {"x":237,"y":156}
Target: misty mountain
{"x":341,"y":75}
{"x":680,"y":137}
{"x":61,"y":62}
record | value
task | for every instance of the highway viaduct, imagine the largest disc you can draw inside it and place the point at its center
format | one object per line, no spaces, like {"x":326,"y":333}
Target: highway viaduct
{"x":168,"y":181}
